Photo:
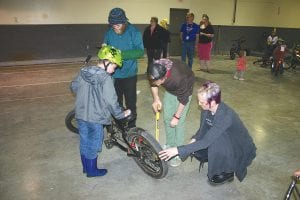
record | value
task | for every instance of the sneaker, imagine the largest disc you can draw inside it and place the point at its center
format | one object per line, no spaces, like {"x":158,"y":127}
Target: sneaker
{"x":236,"y":78}
{"x":241,"y":79}
{"x":175,"y":162}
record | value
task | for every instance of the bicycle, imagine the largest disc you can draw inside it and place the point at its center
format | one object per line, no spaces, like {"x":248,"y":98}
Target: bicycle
{"x":138,"y":143}
{"x":237,"y":47}
{"x":293,"y":189}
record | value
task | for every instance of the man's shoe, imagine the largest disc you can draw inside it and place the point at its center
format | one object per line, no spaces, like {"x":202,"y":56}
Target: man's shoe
{"x":222,"y":178}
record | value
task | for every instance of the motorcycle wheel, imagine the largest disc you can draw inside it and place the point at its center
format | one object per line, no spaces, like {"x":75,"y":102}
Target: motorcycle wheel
{"x":293,"y":64}
{"x":232,"y":54}
{"x":71,"y":122}
{"x":148,"y":149}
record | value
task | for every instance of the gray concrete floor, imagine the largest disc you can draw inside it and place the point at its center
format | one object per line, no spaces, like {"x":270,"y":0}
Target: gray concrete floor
{"x":40,"y":160}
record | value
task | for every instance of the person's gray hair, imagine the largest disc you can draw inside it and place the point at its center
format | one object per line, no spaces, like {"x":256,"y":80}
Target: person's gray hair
{"x":210,"y":91}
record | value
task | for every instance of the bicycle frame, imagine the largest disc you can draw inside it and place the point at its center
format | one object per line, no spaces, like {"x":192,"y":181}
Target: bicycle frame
{"x":120,"y":125}
{"x":292,"y":187}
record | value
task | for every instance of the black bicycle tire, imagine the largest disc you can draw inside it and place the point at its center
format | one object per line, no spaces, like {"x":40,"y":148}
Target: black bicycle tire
{"x":232,"y":54}
{"x":257,"y":61}
{"x":155,"y":146}
{"x":68,"y":122}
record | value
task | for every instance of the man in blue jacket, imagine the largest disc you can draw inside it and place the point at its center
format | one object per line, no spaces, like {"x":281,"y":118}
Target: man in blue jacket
{"x":128,"y":39}
{"x":189,"y":35}
{"x":222,"y":139}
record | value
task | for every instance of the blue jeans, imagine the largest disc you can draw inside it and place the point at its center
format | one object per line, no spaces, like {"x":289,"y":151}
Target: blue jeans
{"x":188,"y":49}
{"x":91,"y":138}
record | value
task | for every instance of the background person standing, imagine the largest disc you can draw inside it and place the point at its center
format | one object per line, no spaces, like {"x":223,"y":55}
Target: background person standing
{"x":189,"y":34}
{"x":166,"y":39}
{"x":205,"y":43}
{"x":152,"y":39}
{"x":128,"y":39}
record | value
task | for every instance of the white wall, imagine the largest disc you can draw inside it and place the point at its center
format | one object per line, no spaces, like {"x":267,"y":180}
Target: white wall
{"x":273,"y":13}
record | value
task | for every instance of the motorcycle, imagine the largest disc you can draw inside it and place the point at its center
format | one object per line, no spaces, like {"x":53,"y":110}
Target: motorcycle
{"x":278,"y":63}
{"x":295,"y":60}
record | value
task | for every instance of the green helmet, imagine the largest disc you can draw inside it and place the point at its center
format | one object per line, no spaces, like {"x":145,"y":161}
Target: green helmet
{"x":110,"y":53}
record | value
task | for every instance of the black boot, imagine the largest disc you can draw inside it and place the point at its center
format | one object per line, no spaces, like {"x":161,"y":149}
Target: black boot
{"x":222,"y":178}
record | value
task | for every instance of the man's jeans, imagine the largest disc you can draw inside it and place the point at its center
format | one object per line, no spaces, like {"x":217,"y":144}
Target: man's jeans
{"x":188,"y":49}
{"x":91,"y":138}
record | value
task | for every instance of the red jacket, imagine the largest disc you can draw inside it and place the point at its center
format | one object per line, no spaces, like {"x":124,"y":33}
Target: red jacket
{"x":241,"y":63}
{"x":279,"y":52}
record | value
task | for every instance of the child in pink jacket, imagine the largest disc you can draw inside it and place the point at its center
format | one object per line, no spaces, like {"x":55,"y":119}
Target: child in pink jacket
{"x":240,"y":66}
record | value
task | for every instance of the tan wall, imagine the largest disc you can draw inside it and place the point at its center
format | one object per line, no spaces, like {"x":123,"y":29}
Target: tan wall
{"x":272,"y":13}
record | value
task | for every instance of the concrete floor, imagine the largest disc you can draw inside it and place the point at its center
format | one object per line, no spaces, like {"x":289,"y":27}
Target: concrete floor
{"x":40,"y":160}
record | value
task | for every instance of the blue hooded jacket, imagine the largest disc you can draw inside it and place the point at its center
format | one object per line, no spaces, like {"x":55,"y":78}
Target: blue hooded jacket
{"x":96,"y":98}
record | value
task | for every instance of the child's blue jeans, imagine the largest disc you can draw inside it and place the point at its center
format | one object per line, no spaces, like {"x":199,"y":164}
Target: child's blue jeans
{"x":91,"y":138}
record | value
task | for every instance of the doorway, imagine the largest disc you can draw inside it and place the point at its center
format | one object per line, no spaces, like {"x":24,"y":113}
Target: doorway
{"x":177,"y":18}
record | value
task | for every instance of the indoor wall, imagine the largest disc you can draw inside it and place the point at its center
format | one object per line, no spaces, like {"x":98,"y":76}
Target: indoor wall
{"x":60,"y":29}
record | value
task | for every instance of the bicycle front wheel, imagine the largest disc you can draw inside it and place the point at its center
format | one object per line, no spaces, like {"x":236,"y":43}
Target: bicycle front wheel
{"x":147,"y":149}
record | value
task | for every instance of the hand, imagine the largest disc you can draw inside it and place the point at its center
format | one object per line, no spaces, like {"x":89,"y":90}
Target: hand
{"x":201,"y":33}
{"x":127,"y":112}
{"x":174,"y":122}
{"x":167,"y":154}
{"x":156,"y":105}
{"x":297,"y":172}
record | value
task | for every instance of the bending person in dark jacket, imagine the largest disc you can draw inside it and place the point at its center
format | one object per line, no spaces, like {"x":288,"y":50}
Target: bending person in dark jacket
{"x":222,"y":139}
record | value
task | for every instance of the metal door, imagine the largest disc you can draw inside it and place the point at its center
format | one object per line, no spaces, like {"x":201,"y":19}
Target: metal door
{"x":177,"y":18}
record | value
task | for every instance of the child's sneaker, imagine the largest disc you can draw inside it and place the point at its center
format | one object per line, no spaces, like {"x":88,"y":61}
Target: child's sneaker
{"x":241,"y":79}
{"x":235,"y":77}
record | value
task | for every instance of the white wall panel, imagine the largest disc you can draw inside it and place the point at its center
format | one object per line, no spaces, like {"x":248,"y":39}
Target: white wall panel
{"x":272,"y":13}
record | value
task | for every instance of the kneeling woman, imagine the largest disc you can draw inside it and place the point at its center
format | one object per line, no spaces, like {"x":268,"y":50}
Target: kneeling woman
{"x":222,"y":139}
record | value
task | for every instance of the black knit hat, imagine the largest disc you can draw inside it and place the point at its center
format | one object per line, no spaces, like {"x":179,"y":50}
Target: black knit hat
{"x":117,"y":16}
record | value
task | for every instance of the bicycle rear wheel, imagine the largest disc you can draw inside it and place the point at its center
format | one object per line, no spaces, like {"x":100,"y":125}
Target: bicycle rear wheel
{"x":232,"y":54}
{"x":147,"y":148}
{"x":71,"y":122}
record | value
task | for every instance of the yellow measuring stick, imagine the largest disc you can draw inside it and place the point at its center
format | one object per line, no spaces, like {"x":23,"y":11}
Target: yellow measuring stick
{"x":157,"y":126}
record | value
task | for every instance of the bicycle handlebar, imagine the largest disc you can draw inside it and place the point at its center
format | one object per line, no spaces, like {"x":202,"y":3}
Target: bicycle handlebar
{"x":88,"y":58}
